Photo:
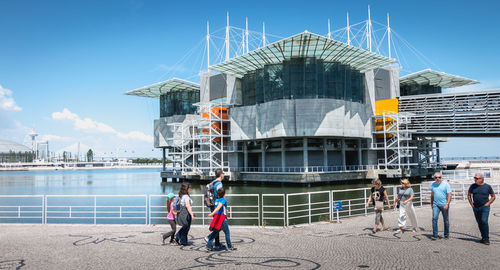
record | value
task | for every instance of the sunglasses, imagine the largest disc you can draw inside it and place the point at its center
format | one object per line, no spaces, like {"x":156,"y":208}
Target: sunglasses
{"x":477,"y":178}
{"x":437,"y":177}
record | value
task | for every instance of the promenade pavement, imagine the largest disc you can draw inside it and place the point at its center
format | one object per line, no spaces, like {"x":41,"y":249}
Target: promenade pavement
{"x":348,"y":245}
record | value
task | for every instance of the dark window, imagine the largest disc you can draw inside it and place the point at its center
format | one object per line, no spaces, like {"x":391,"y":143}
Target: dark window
{"x":299,"y":78}
{"x":178,"y":103}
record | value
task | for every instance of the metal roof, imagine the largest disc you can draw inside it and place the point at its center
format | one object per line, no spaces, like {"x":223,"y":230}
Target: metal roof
{"x":6,"y":146}
{"x":171,"y":85}
{"x":303,"y":45}
{"x":436,"y":78}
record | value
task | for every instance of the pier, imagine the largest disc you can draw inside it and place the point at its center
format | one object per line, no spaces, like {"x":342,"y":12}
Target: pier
{"x":324,"y":245}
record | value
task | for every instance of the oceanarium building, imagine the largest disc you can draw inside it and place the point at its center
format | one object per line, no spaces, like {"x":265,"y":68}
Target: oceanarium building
{"x":307,"y":108}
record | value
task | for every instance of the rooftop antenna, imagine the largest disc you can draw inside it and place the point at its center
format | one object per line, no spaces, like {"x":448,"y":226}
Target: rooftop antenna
{"x":246,"y":34}
{"x":388,"y":35}
{"x":243,"y":42}
{"x":208,"y":46}
{"x":227,"y":37}
{"x":348,"y":31}
{"x":264,"y":34}
{"x":329,"y":33}
{"x":368,"y":31}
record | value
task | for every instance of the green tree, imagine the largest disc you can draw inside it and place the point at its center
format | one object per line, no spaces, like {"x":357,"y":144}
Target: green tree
{"x":90,"y":155}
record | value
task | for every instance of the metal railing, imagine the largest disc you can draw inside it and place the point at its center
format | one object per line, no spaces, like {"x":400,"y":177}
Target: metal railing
{"x":243,"y":209}
{"x":351,"y":168}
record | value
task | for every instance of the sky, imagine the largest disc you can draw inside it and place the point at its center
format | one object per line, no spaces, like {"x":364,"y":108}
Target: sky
{"x":65,"y":65}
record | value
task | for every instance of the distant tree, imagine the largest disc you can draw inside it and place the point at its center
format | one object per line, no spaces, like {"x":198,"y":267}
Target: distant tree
{"x":90,"y":155}
{"x":65,"y":156}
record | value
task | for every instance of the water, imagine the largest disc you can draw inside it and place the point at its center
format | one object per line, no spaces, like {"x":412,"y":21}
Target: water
{"x":129,"y":181}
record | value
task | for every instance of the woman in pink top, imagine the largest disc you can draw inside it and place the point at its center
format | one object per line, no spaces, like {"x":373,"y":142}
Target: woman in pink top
{"x":170,"y":219}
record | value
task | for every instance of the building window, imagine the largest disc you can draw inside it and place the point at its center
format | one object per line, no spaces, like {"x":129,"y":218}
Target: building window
{"x":300,"y":78}
{"x":178,"y":103}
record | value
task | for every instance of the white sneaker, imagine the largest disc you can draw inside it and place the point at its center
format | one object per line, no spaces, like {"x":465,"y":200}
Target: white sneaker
{"x":398,"y":230}
{"x":206,"y":239}
{"x":414,"y":230}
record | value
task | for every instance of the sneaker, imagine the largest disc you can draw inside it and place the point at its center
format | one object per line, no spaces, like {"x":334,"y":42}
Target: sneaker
{"x":220,"y":246}
{"x":446,"y":238}
{"x":399,"y":231}
{"x":486,"y":242}
{"x":177,"y":241}
{"x":163,"y":238}
{"x":232,"y":248}
{"x":206,"y":239}
{"x":414,"y":230}
{"x":434,"y":237}
{"x":207,"y":248}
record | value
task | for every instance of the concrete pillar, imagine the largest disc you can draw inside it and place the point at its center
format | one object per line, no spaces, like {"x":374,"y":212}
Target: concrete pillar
{"x":305,"y":153}
{"x":325,"y":154}
{"x":438,"y":157}
{"x":360,"y":153}
{"x":164,"y":158}
{"x":263,"y":149}
{"x":245,"y":156}
{"x":342,"y":149}
{"x":283,"y":155}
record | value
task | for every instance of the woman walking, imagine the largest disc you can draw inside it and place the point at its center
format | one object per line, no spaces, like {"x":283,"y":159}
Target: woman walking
{"x":378,"y":194}
{"x":170,"y":219}
{"x":185,"y":216}
{"x":406,"y":210}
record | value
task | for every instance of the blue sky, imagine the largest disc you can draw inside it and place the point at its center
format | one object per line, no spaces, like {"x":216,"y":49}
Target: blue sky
{"x":64,"y":65}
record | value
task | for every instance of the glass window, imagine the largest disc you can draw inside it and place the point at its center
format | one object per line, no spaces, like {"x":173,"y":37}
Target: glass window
{"x":178,"y":103}
{"x":298,"y":78}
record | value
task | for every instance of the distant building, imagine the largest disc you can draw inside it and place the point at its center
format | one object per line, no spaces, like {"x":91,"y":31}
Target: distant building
{"x":14,"y":152}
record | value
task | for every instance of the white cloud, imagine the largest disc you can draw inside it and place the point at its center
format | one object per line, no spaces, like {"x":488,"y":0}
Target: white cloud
{"x":89,"y":125}
{"x":7,"y":103}
{"x":51,"y":138}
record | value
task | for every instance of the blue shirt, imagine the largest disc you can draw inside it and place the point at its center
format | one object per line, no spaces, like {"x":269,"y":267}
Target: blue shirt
{"x":217,"y":186}
{"x":223,"y":209}
{"x":440,"y":191}
{"x":480,"y":194}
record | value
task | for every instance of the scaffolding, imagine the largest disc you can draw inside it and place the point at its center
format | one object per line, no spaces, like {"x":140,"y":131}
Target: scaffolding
{"x":393,"y":141}
{"x":199,"y":145}
{"x":213,"y":136}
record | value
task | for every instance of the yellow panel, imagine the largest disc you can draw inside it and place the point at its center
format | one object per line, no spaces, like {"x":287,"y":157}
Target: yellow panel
{"x":387,"y":106}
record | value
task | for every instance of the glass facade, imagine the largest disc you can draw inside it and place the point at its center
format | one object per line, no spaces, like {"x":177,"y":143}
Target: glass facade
{"x":178,"y":103}
{"x":300,"y":78}
{"x":418,"y":89}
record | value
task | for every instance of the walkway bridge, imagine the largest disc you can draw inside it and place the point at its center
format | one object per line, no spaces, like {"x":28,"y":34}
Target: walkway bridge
{"x":469,"y":114}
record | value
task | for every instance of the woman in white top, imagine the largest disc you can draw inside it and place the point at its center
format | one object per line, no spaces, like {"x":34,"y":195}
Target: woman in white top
{"x":187,"y":217}
{"x":406,"y":210}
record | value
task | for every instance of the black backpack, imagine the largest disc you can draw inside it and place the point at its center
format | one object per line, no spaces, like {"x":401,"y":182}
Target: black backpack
{"x":208,"y":195}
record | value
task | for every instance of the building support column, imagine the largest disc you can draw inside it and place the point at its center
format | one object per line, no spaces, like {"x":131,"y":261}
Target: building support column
{"x":342,"y":149}
{"x":283,"y":155}
{"x":438,"y":157}
{"x":360,"y":153}
{"x":245,"y":157}
{"x":325,"y":155}
{"x":305,"y":154}
{"x":164,"y":158}
{"x":263,"y":149}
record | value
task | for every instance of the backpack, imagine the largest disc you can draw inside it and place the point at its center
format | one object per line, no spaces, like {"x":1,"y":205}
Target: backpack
{"x":177,"y":205}
{"x":208,"y":195}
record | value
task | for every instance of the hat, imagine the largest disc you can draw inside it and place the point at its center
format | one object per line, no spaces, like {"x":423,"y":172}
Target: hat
{"x":170,"y":195}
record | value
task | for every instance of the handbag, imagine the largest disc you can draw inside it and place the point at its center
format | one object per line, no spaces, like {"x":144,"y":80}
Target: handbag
{"x":182,"y":218}
{"x":379,"y":205}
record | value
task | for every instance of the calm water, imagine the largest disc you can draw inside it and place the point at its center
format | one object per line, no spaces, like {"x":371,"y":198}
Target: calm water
{"x":127,"y":181}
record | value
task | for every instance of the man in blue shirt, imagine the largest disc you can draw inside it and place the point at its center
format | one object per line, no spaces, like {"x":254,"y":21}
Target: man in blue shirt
{"x":481,"y":196}
{"x":440,"y":202}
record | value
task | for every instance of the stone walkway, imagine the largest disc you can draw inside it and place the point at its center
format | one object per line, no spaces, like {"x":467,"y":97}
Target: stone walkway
{"x":348,"y":245}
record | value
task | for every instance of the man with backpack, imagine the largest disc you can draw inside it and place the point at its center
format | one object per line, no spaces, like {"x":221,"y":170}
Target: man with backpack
{"x":210,"y":195}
